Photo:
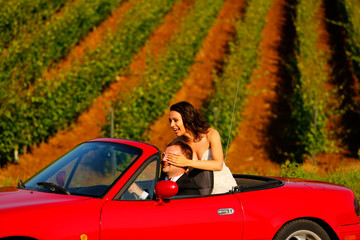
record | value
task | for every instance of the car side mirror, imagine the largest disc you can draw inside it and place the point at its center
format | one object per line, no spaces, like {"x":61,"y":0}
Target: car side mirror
{"x":165,"y":189}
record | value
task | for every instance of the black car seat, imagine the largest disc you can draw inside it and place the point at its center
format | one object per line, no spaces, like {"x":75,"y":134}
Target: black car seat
{"x":203,"y":179}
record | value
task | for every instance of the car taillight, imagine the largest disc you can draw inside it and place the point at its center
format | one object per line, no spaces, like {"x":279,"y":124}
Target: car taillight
{"x":357,"y":208}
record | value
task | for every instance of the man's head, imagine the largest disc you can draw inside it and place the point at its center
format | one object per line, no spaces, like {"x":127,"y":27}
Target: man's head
{"x":177,"y":146}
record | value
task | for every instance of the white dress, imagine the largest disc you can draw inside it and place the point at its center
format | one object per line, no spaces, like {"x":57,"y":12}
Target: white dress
{"x":223,"y":179}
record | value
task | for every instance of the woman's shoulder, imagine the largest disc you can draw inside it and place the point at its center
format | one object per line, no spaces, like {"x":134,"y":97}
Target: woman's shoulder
{"x":213,"y":136}
{"x":212,"y":132}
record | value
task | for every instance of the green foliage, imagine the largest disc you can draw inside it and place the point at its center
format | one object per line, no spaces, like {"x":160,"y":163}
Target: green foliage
{"x":239,"y":66}
{"x":9,"y":182}
{"x":294,"y":170}
{"x":20,"y":17}
{"x":351,"y":10}
{"x":55,"y":104}
{"x":352,"y":27}
{"x":310,"y":109}
{"x":136,"y":111}
{"x":29,"y":55}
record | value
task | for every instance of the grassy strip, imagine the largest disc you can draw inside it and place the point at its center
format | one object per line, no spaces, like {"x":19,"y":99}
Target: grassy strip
{"x":239,"y":67}
{"x":55,"y":104}
{"x":348,"y":178}
{"x":309,"y":103}
{"x":18,"y":17}
{"x":26,"y":59}
{"x":135,"y":112}
{"x":9,"y":182}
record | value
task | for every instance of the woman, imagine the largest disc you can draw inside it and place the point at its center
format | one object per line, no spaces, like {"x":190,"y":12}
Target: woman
{"x":205,"y":141}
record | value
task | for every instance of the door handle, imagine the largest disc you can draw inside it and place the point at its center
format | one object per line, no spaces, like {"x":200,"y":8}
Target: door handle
{"x":225,"y":211}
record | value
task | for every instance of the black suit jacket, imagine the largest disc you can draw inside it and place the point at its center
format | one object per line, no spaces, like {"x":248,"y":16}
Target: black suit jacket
{"x":186,"y":186}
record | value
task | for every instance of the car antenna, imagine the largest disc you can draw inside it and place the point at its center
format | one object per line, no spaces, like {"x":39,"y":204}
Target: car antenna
{"x":232,"y":118}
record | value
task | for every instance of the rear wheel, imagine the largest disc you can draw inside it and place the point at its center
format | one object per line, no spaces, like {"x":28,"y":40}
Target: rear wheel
{"x":302,"y":230}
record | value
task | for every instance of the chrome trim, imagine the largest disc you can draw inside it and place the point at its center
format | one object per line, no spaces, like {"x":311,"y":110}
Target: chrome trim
{"x":225,"y":211}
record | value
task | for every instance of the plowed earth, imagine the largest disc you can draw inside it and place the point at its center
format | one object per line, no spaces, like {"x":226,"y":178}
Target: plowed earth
{"x":251,"y":150}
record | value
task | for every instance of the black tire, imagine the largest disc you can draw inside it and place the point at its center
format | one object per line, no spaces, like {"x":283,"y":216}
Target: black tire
{"x":302,"y":229}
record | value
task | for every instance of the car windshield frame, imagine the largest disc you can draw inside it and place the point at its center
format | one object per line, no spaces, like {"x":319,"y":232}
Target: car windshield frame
{"x":118,"y":155}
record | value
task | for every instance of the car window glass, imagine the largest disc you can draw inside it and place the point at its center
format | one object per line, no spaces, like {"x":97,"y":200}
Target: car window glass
{"x":89,"y":169}
{"x":144,"y":183}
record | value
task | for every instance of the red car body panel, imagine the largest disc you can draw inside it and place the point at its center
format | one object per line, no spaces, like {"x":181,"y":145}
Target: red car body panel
{"x":48,"y":215}
{"x":274,"y":207}
{"x":181,"y":218}
{"x":249,"y":215}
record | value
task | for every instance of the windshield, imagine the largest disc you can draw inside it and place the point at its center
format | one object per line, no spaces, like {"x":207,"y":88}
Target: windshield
{"x":88,"y":170}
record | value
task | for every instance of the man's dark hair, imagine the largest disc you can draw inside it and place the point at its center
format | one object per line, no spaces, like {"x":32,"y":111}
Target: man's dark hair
{"x":185,"y":148}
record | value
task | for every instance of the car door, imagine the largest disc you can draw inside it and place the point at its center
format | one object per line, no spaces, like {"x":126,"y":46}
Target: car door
{"x":214,"y":216}
{"x":210,"y":216}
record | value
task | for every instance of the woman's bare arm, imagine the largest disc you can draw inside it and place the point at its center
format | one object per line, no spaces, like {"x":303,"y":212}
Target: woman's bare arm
{"x":214,"y":164}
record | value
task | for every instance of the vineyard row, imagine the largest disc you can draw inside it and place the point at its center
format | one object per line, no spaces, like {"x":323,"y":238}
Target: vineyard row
{"x":56,"y":103}
{"x":163,"y":77}
{"x":24,"y":61}
{"x":19,"y":18}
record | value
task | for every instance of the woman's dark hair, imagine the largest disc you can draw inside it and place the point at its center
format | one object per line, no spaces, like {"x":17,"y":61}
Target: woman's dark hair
{"x":192,"y":119}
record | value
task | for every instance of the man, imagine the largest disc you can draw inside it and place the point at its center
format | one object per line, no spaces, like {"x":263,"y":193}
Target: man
{"x":173,"y":173}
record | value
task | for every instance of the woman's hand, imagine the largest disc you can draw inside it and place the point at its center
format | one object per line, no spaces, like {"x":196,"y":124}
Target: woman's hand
{"x":178,"y":160}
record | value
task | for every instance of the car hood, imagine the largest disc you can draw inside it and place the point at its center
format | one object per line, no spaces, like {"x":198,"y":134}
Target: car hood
{"x":17,"y":198}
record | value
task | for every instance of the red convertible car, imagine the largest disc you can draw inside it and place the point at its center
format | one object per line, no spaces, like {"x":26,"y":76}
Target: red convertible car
{"x":84,"y":195}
